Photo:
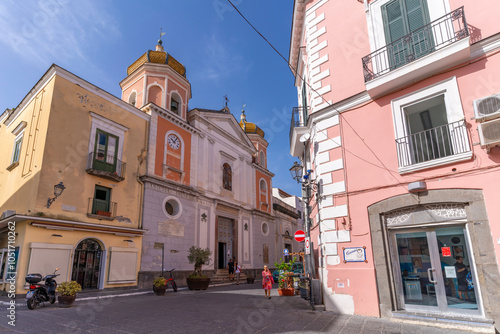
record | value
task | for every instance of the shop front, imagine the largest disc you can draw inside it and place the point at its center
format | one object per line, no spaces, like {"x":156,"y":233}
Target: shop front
{"x":434,"y":257}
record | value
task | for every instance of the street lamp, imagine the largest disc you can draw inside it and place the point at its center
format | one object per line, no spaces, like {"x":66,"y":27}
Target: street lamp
{"x":307,"y":185}
{"x":58,"y":190}
{"x":296,"y":171}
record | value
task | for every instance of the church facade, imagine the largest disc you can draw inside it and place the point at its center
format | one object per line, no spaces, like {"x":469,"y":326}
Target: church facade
{"x":206,"y":181}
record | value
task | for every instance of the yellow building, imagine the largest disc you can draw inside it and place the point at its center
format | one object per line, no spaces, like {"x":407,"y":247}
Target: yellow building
{"x":70,"y":154}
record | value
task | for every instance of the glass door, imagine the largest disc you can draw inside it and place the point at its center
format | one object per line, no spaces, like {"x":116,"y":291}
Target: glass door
{"x":435,"y":271}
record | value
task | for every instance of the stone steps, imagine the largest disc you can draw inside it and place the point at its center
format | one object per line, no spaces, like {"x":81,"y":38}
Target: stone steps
{"x":221,"y":276}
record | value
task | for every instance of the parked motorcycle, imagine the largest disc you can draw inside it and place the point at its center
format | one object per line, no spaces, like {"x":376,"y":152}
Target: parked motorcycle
{"x":40,"y":293}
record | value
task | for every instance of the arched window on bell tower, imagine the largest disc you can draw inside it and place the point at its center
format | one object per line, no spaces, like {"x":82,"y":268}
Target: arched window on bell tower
{"x":176,"y":104}
{"x":132,"y":99}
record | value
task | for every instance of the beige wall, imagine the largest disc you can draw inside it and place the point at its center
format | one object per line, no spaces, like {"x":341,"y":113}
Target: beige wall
{"x":66,"y":153}
{"x":57,"y":140}
{"x":18,"y":185}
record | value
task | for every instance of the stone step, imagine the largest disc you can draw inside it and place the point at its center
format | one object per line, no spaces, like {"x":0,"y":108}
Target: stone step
{"x":222,"y":276}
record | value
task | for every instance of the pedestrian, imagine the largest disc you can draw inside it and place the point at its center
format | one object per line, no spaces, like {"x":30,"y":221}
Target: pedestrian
{"x":267,"y":282}
{"x":237,"y":271}
{"x":230,"y":269}
{"x":462,"y":272}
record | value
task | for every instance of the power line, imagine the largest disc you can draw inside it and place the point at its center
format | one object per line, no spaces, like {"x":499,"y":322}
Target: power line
{"x":312,"y":89}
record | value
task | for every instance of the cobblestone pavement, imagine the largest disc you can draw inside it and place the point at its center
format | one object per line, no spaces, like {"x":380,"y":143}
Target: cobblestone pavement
{"x":221,"y":309}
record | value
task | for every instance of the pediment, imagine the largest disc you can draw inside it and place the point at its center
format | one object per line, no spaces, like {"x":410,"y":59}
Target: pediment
{"x":227,"y":124}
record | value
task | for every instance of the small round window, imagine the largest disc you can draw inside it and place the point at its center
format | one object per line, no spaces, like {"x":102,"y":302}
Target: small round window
{"x":265,"y":228}
{"x":172,"y":207}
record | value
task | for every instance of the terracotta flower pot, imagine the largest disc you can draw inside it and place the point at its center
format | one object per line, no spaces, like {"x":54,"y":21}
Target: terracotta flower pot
{"x":66,"y":301}
{"x":286,"y":292}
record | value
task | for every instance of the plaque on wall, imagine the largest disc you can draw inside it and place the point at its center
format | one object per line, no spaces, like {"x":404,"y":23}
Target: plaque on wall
{"x":171,"y":228}
{"x":354,"y":254}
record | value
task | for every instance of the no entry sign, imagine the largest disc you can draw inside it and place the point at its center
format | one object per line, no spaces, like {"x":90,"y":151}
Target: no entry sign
{"x":300,"y":236}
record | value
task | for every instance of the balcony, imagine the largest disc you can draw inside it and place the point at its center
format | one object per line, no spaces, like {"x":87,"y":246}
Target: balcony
{"x":101,"y":209}
{"x":298,"y":127}
{"x":437,"y":146}
{"x":108,"y":167}
{"x":437,"y":46}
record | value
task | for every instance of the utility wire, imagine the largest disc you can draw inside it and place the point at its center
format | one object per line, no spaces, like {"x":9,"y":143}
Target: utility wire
{"x":294,"y":70}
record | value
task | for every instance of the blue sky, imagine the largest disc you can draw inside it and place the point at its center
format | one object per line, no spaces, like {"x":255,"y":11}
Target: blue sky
{"x":98,"y":40}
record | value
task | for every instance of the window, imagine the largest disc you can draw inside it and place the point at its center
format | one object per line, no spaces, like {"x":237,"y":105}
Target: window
{"x":262,"y":159}
{"x":265,"y":228}
{"x":172,"y":208}
{"x":101,"y":203}
{"x":106,"y":148}
{"x":174,"y":106}
{"x":227,"y":182}
{"x":105,"y":151}
{"x":132,"y":99}
{"x":263,"y":194}
{"x":430,"y":128}
{"x":16,"y":153}
{"x":175,"y":103}
{"x":402,"y":18}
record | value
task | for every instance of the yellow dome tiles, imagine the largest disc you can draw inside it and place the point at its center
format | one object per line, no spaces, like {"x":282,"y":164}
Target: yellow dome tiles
{"x":251,"y":128}
{"x":157,"y":57}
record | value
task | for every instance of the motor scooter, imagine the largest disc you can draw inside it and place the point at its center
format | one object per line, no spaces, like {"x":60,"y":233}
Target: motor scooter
{"x":40,"y":293}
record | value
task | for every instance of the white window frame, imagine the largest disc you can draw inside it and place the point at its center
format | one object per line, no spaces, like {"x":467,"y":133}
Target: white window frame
{"x":376,"y":33}
{"x":17,"y":149}
{"x":134,"y":94}
{"x":175,"y":96}
{"x":106,"y":125}
{"x":264,"y":192}
{"x":262,"y":159}
{"x":454,"y":112}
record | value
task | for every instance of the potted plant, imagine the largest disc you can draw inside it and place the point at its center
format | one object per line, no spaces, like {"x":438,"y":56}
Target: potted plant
{"x":67,"y":293}
{"x":285,"y":281}
{"x":160,"y":285}
{"x":250,"y":276}
{"x":199,"y":257}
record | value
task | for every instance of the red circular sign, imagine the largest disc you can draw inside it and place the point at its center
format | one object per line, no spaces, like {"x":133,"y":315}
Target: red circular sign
{"x":300,"y":236}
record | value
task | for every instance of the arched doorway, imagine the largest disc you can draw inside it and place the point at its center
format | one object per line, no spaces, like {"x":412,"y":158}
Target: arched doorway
{"x":87,"y":264}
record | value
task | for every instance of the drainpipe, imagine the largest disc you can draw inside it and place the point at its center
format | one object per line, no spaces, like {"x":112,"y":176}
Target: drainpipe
{"x":141,"y":159}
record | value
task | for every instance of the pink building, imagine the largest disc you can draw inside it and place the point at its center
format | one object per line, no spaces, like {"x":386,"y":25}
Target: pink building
{"x":398,"y":117}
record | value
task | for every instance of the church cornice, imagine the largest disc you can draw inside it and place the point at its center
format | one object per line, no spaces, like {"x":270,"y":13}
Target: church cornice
{"x":262,"y":169}
{"x":168,"y":186}
{"x":170,"y":116}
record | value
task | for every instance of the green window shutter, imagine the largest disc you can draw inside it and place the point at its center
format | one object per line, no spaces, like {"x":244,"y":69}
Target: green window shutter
{"x":394,"y":23}
{"x":105,"y":151}
{"x":416,"y":14}
{"x":401,"y":18}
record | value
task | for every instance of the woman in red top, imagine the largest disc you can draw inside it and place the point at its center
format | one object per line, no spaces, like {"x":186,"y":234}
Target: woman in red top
{"x":267,"y":282}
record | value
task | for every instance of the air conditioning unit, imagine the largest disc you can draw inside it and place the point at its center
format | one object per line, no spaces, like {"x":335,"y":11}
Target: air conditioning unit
{"x":487,"y":108}
{"x":489,"y":133}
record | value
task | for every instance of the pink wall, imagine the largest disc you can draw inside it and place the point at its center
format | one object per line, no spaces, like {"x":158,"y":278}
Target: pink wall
{"x":374,"y":126}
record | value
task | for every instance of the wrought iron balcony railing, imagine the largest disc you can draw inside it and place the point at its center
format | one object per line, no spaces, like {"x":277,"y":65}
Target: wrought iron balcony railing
{"x":299,"y":118}
{"x":106,"y":166}
{"x":101,"y":209}
{"x":432,"y":37}
{"x":439,"y":142}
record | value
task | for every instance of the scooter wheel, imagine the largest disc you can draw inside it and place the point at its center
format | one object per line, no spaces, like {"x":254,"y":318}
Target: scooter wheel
{"x":174,"y":286}
{"x":32,"y":303}
{"x":52,"y":299}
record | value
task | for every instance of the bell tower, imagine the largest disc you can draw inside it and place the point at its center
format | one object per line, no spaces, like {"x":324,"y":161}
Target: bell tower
{"x":157,"y":77}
